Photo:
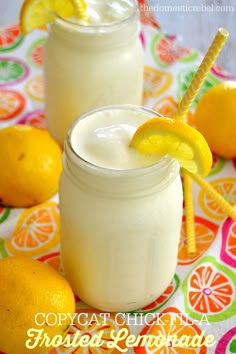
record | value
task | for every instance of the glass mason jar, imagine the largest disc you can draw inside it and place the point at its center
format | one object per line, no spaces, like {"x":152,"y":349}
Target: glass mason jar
{"x":92,"y":65}
{"x":120,"y":229}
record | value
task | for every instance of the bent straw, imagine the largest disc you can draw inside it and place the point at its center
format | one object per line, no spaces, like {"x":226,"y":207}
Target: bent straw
{"x":183,"y":107}
{"x":80,"y":8}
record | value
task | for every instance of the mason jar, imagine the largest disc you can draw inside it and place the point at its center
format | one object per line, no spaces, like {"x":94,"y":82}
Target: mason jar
{"x":120,"y":228}
{"x":87,"y":65}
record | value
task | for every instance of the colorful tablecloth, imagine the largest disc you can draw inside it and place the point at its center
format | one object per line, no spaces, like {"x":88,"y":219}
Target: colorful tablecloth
{"x":203,"y":288}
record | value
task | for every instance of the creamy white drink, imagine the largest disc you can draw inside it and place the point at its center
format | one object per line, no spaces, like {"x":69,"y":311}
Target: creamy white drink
{"x":121,"y":212}
{"x":87,"y":65}
{"x":104,"y":138}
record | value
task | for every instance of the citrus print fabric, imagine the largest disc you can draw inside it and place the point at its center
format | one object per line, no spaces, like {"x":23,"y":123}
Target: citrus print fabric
{"x":203,"y":288}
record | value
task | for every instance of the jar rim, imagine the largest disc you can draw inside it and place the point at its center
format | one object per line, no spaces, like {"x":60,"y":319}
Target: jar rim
{"x":164,"y":161}
{"x":104,"y":26}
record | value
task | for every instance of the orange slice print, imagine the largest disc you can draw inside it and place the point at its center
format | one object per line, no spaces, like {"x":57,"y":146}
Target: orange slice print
{"x":224,"y":186}
{"x":92,"y":323}
{"x":36,"y":232}
{"x":35,"y":52}
{"x":167,"y":107}
{"x":10,"y":37}
{"x":37,"y":55}
{"x":231,"y":241}
{"x":170,"y":323}
{"x":37,"y":120}
{"x":214,"y":293}
{"x":228,"y":246}
{"x":34,"y":88}
{"x":210,"y":289}
{"x":12,"y":104}
{"x":155,"y":82}
{"x":168,"y":51}
{"x":54,"y":260}
{"x":205,"y":233}
{"x":146,"y":16}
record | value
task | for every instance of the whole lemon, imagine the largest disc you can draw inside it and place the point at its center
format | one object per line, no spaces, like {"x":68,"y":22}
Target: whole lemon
{"x":215,"y":118}
{"x":28,"y":288}
{"x":30,"y":163}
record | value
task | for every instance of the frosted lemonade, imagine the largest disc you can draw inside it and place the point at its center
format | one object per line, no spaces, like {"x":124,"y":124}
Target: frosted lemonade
{"x":92,"y":64}
{"x":121,"y":212}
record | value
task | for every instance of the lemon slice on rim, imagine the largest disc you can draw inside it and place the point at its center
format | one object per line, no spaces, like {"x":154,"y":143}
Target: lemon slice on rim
{"x":37,"y":13}
{"x":171,"y":136}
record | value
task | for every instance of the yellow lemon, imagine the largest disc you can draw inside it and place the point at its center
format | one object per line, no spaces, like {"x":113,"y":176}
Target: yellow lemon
{"x":28,"y":288}
{"x":163,"y":136}
{"x":215,"y":118}
{"x":31,"y":165}
{"x":37,"y":13}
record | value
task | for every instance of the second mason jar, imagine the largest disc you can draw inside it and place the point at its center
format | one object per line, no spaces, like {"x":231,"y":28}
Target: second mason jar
{"x":87,"y":65}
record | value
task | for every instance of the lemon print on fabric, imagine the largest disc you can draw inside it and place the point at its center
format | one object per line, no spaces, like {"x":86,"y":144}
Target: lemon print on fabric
{"x":12,"y":103}
{"x":228,"y":246}
{"x":34,"y":88}
{"x":35,"y":52}
{"x":12,"y":71}
{"x":166,"y":50}
{"x":205,"y":234}
{"x":10,"y":37}
{"x":209,"y":289}
{"x":91,"y":324}
{"x":36,"y":232}
{"x":227,"y":188}
{"x":155,"y":83}
{"x":172,"y":323}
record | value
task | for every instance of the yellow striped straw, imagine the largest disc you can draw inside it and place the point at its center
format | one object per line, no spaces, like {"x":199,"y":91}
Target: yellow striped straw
{"x":183,"y":107}
{"x":226,"y":207}
{"x":189,"y":214}
{"x":202,"y":72}
{"x":80,"y":8}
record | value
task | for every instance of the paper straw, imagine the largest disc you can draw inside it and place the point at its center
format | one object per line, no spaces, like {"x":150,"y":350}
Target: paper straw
{"x":80,"y":8}
{"x":183,"y":107}
{"x":189,"y":213}
{"x":202,"y":72}
{"x":229,"y":210}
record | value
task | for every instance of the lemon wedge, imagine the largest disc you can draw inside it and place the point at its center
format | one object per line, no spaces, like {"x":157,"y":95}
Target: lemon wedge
{"x":38,"y":13}
{"x":171,"y":136}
